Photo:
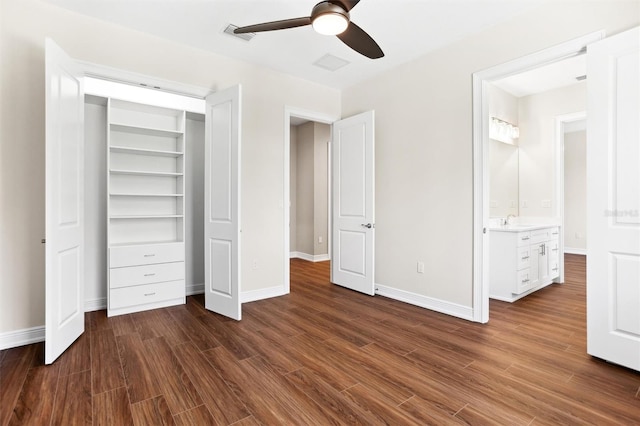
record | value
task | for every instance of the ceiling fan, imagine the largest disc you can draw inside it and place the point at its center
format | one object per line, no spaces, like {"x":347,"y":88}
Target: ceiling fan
{"x":329,"y":18}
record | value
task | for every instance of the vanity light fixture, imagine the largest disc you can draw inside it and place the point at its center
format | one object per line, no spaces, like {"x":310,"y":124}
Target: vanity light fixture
{"x":503,"y":131}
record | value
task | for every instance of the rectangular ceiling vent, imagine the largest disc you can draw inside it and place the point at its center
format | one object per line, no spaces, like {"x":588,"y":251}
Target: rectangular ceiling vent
{"x":331,"y":63}
{"x":245,"y":37}
{"x":581,"y":77}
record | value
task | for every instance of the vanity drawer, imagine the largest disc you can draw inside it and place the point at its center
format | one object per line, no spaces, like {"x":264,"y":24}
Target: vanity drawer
{"x":146,"y":274}
{"x":145,"y":254}
{"x":523,"y":239}
{"x":523,"y":281}
{"x":148,"y":293}
{"x":545,"y":234}
{"x":524,"y":257}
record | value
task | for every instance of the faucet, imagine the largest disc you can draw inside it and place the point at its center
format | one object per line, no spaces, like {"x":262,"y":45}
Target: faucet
{"x":507,"y":221}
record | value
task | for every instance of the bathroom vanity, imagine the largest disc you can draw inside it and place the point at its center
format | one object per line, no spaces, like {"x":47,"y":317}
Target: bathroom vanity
{"x":523,"y":259}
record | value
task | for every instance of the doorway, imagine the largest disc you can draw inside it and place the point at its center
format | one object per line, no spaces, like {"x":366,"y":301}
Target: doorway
{"x":482,"y":82}
{"x":301,"y":144}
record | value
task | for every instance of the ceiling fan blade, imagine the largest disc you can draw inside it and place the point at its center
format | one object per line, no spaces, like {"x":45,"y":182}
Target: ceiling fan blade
{"x":346,"y":4}
{"x":357,"y":39}
{"x":274,"y":25}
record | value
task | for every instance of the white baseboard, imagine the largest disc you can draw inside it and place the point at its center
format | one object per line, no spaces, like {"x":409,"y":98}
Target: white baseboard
{"x":309,"y":257}
{"x":570,"y":250}
{"x":26,"y":336}
{"x":437,"y":305}
{"x":263,"y":293}
{"x":98,"y":304}
{"x":195,"y":289}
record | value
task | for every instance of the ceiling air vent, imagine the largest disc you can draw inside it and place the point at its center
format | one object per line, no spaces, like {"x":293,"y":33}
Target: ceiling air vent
{"x":330,"y":62}
{"x":581,"y":77}
{"x":245,"y":37}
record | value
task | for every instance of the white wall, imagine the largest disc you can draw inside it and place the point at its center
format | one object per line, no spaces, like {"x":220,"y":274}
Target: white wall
{"x":503,"y":157}
{"x":424,"y":177}
{"x":24,"y":25}
{"x":321,"y":136}
{"x":304,"y":189}
{"x":575,"y":190}
{"x":537,"y":145}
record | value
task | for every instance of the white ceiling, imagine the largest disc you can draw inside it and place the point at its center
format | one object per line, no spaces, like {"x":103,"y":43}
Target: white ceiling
{"x":553,"y":76}
{"x":404,"y":29}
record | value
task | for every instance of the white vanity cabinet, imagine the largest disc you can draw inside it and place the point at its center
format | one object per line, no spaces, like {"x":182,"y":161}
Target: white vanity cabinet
{"x":522,"y":260}
{"x":146,"y":206}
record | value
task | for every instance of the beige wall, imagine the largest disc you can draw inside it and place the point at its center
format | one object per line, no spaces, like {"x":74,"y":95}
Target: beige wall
{"x":575,"y":190}
{"x":304,"y":190}
{"x":24,"y":25}
{"x":311,"y":196}
{"x":293,"y":188}
{"x":537,"y":145}
{"x":424,"y":174}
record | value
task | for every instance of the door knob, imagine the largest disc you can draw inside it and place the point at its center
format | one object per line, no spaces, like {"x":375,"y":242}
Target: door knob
{"x":367,"y":225}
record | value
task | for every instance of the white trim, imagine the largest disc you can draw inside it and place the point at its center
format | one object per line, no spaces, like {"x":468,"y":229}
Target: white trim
{"x":442,"y":306}
{"x":98,"y":304}
{"x":195,"y":289}
{"x":571,"y":250}
{"x":132,"y":78}
{"x":309,"y":257}
{"x":480,"y":155}
{"x":561,"y":122}
{"x":263,"y":293}
{"x":26,"y":336}
{"x":286,"y":195}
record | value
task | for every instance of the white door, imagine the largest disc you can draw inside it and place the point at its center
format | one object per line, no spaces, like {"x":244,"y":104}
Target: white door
{"x":613,"y":199}
{"x":353,"y":235}
{"x":64,"y":100}
{"x":222,"y":203}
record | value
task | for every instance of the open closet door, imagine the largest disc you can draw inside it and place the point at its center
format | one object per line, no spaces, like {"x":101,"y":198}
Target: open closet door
{"x":613,"y":199}
{"x":64,"y":100}
{"x":222,"y":203}
{"x":353,"y":173}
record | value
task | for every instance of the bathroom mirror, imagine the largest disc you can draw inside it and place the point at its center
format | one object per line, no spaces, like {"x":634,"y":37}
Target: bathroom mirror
{"x":503,"y":176}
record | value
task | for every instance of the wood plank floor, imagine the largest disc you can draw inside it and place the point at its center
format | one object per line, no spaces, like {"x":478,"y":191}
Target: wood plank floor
{"x":326,"y":355}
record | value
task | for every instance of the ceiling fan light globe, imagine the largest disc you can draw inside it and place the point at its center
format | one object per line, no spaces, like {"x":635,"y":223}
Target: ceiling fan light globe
{"x":330,"y":23}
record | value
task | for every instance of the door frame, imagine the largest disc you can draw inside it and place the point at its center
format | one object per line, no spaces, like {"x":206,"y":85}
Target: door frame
{"x":317,"y":117}
{"x":480,"y":104}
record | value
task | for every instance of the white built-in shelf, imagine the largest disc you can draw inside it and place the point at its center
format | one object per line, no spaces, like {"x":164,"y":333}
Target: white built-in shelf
{"x":147,"y":131}
{"x":148,"y":216}
{"x":145,"y":243}
{"x":141,"y":151}
{"x":144,"y":173}
{"x":114,"y":194}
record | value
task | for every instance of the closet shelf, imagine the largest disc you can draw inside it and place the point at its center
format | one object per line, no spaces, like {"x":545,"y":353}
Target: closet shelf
{"x":148,"y":131}
{"x":144,"y":151}
{"x":145,"y":243}
{"x":144,"y":173}
{"x":150,"y":216}
{"x":119,"y":194}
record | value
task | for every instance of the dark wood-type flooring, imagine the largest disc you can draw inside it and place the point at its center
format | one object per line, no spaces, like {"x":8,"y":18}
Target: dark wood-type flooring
{"x":327,"y":355}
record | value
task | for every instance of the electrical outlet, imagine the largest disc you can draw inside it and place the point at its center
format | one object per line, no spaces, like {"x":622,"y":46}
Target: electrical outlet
{"x":254,"y":265}
{"x":525,"y":204}
{"x":421,"y":267}
{"x":319,"y":240}
{"x":546,"y":204}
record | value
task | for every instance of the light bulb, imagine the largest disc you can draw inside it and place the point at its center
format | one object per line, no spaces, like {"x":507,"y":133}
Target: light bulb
{"x":330,"y":23}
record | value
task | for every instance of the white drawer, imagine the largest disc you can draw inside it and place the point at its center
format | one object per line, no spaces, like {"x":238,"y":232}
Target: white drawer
{"x":524,"y":238}
{"x":553,"y":247}
{"x":524,"y":257}
{"x":147,"y":274}
{"x":148,"y":293}
{"x":523,"y":282}
{"x":545,"y":234}
{"x":145,"y":254}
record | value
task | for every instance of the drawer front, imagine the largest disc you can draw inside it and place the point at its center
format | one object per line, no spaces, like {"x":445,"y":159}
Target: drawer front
{"x":523,"y":282}
{"x":142,"y":294}
{"x":524,"y":239}
{"x":524,"y":257}
{"x":147,"y":274}
{"x":145,"y":254}
{"x":553,"y":247}
{"x":546,"y":234}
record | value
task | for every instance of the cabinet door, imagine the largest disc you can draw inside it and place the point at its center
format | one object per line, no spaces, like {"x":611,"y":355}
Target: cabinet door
{"x":534,"y":265}
{"x":543,"y":262}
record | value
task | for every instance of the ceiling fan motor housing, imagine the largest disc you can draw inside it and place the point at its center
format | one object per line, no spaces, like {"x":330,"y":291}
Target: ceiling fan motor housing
{"x":327,"y":7}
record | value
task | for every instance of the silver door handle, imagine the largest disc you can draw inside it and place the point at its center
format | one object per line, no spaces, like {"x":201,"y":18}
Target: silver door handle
{"x":367,"y":225}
